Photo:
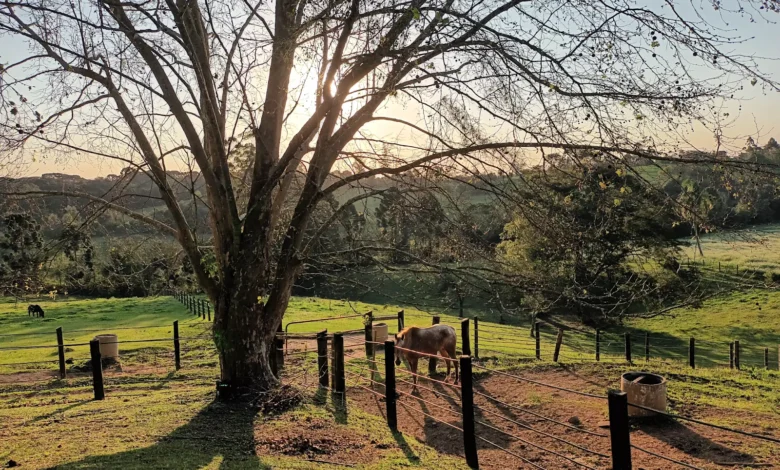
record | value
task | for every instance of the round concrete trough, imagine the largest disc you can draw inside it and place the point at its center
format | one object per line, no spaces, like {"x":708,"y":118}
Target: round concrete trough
{"x":108,"y":345}
{"x":380,"y":332}
{"x":646,"y":389}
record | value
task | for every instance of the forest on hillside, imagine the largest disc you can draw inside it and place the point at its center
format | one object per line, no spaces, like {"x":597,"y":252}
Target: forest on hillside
{"x":579,"y":234}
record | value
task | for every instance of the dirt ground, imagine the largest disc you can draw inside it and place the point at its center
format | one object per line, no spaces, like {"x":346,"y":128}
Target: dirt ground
{"x":696,"y":445}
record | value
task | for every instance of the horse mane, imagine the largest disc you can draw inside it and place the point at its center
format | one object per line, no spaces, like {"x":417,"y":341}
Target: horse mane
{"x":405,"y":330}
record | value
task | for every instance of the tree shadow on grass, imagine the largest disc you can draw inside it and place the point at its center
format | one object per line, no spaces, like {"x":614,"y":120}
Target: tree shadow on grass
{"x":220,"y":435}
{"x":692,"y":443}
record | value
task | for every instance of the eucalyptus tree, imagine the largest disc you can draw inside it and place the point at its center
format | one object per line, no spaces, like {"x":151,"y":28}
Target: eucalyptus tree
{"x":425,"y":89}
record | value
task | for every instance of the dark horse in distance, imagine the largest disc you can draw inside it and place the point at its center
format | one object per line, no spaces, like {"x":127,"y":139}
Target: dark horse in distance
{"x":35,"y":310}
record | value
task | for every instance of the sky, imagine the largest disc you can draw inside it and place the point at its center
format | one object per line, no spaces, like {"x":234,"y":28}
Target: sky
{"x":755,"y":114}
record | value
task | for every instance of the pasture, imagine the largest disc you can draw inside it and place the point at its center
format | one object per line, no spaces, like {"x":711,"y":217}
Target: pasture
{"x":156,"y":417}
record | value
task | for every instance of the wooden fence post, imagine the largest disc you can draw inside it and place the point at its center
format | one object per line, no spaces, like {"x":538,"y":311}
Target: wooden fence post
{"x":368,"y":333}
{"x":476,"y":337}
{"x":176,"y":346}
{"x":538,"y":341}
{"x":208,"y":310}
{"x":467,"y":401}
{"x":766,"y":358}
{"x":322,"y":357}
{"x":464,"y":337}
{"x":431,"y":361}
{"x":390,"y":394}
{"x":61,"y":352}
{"x":97,"y":369}
{"x":647,"y":346}
{"x":558,"y":342}
{"x":202,"y":309}
{"x":400,"y":320}
{"x":731,"y":355}
{"x":692,"y":352}
{"x":736,"y":353}
{"x":339,"y":381}
{"x":628,"y":347}
{"x":278,"y":345}
{"x":618,"y":430}
{"x":598,"y":346}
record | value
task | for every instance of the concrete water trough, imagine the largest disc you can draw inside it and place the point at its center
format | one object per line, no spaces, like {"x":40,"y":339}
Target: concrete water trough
{"x":646,"y":389}
{"x":108,"y":346}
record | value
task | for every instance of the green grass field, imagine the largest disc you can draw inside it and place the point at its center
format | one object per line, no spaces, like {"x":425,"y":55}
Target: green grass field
{"x":162,"y":418}
{"x":754,"y":248}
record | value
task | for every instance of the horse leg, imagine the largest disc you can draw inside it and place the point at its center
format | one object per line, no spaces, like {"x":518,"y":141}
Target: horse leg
{"x":447,"y":361}
{"x":413,"y":366}
{"x":451,"y":352}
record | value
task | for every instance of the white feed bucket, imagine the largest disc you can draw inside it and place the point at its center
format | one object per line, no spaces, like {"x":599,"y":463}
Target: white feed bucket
{"x":108,"y":346}
{"x":380,"y":332}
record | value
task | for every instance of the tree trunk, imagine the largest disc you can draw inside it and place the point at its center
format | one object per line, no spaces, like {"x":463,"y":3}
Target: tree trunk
{"x":244,"y":334}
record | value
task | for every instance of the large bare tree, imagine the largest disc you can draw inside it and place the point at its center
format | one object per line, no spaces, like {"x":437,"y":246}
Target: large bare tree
{"x":381,"y":87}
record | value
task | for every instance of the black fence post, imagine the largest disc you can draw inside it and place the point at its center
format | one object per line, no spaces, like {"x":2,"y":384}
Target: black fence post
{"x":647,"y":346}
{"x":538,"y":341}
{"x":736,"y":353}
{"x":628,"y":347}
{"x":431,"y":361}
{"x":731,"y":355}
{"x":467,"y":401}
{"x":618,"y":430}
{"x":176,"y":345}
{"x":400,"y":320}
{"x":476,"y":337}
{"x":766,"y":358}
{"x":201,"y":309}
{"x":322,"y":357}
{"x":279,"y":350}
{"x":464,"y":337}
{"x":208,"y":310}
{"x":61,"y":352}
{"x":368,"y":332}
{"x":339,"y":381}
{"x":390,"y":395}
{"x":97,"y":369}
{"x":692,"y":352}
{"x":598,"y":345}
{"x":558,"y":342}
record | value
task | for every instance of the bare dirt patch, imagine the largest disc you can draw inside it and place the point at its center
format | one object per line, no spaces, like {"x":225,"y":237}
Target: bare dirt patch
{"x":315,"y":439}
{"x":573,"y":436}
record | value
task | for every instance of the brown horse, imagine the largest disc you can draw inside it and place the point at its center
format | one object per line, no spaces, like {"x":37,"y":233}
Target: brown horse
{"x":436,"y":339}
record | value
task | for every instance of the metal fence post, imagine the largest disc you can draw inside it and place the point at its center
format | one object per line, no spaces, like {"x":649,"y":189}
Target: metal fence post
{"x":390,"y":394}
{"x":97,"y":369}
{"x":61,"y":352}
{"x":618,"y":430}
{"x":322,"y":357}
{"x":464,"y":337}
{"x":467,"y":401}
{"x":431,"y":361}
{"x":176,"y":346}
